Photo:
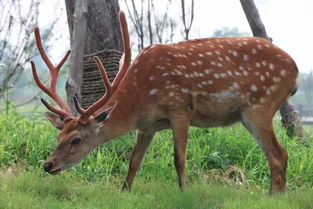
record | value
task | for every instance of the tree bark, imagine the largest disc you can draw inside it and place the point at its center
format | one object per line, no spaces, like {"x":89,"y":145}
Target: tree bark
{"x":102,"y":33}
{"x":290,"y":118}
{"x":73,"y":84}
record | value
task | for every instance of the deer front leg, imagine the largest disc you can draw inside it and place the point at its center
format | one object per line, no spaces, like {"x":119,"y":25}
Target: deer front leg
{"x":180,"y":126}
{"x":142,"y":143}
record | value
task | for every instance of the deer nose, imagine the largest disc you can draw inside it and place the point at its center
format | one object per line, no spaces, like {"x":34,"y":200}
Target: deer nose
{"x":47,"y":166}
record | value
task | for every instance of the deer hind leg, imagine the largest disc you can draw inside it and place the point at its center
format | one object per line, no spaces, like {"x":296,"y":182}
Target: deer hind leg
{"x":180,"y":124}
{"x":143,"y":141}
{"x":261,"y":129}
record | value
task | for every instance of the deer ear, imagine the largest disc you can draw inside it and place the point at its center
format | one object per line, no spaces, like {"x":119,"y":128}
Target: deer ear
{"x":55,"y":120}
{"x":103,"y":116}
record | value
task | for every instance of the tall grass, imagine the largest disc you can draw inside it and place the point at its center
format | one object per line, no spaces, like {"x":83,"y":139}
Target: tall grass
{"x":28,"y":141}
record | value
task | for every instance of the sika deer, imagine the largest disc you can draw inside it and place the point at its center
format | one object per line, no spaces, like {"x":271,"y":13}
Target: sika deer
{"x":205,"y":83}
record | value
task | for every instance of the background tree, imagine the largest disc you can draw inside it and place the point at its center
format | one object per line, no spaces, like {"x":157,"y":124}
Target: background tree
{"x":17,"y":46}
{"x":187,"y":24}
{"x":290,"y":118}
{"x":307,"y":87}
{"x":229,"y":32}
{"x":149,"y":24}
{"x":94,"y":30}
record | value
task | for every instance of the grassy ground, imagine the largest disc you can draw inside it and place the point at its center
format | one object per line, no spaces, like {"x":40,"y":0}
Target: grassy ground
{"x":35,"y":190}
{"x":95,"y":183}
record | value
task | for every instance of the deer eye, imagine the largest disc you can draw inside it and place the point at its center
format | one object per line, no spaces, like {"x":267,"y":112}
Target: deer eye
{"x":75,"y":141}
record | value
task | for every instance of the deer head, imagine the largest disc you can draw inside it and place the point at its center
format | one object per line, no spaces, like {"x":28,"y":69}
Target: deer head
{"x":78,"y":135}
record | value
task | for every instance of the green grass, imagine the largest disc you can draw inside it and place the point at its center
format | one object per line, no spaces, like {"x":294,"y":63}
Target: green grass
{"x":68,"y":191}
{"x":95,"y":183}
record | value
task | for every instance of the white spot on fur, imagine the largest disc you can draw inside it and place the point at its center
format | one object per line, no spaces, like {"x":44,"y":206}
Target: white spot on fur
{"x":237,"y":73}
{"x":207,"y":71}
{"x":223,"y":75}
{"x":199,"y":62}
{"x":223,"y":95}
{"x":283,"y":73}
{"x":262,"y":78}
{"x":234,"y":53}
{"x":200,"y":55}
{"x":186,"y":91}
{"x":153,"y":91}
{"x":254,"y":51}
{"x":253,"y":88}
{"x":276,"y":79}
{"x":267,"y":74}
{"x":151,"y":78}
{"x":217,"y":52}
{"x":235,"y":85}
{"x":160,"y":67}
{"x":219,"y":65}
{"x":264,"y":63}
{"x":245,"y":57}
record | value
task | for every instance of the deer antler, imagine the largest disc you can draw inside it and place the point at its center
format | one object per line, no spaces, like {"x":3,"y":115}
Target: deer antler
{"x":110,"y":88}
{"x":126,"y":58}
{"x":85,"y":114}
{"x":54,"y":71}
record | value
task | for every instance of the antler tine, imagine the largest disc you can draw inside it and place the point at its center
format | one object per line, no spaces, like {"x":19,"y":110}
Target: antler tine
{"x":104,"y":76}
{"x":54,"y":71}
{"x":80,"y":110}
{"x":41,"y":49}
{"x":61,"y":113}
{"x":85,"y":114}
{"x":63,"y":60}
{"x":126,"y":58}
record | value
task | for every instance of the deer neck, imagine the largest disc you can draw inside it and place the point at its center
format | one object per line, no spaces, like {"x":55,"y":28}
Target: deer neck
{"x":123,"y":118}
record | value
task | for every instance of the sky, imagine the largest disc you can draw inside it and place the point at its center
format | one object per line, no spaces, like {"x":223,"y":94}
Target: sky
{"x":288,"y":22}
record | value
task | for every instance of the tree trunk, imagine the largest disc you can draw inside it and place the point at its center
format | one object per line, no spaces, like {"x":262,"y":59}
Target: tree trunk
{"x":73,"y":84}
{"x":103,"y":38}
{"x":290,"y":118}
